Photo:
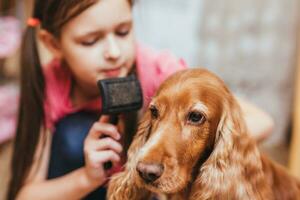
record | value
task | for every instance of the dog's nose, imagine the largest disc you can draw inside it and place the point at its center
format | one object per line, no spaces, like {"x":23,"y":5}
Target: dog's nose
{"x":150,"y":172}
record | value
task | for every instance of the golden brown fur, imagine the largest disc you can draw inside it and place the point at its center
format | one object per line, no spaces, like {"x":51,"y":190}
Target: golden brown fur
{"x":210,"y":158}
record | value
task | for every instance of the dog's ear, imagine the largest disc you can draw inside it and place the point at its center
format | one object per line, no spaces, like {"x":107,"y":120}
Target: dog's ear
{"x":231,"y":121}
{"x":211,"y":176}
{"x":139,"y":139}
{"x":230,"y":126}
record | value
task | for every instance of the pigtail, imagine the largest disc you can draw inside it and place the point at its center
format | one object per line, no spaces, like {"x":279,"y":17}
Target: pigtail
{"x":31,"y":112}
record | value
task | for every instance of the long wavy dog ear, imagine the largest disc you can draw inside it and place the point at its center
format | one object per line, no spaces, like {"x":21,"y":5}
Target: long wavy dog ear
{"x":122,"y":185}
{"x":211,"y":175}
{"x":139,"y":139}
{"x":231,"y":125}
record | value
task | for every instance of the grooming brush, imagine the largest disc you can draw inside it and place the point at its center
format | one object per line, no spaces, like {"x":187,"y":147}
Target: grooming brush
{"x":119,"y":95}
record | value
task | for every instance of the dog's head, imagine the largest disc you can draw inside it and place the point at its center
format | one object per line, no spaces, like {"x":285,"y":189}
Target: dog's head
{"x":180,"y":129}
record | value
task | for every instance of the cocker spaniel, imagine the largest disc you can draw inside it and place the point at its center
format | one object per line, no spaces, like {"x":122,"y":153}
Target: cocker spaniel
{"x":192,"y":144}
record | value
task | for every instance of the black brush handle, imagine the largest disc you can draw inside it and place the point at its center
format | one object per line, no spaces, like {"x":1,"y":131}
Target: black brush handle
{"x":113,"y":120}
{"x":120,"y":95}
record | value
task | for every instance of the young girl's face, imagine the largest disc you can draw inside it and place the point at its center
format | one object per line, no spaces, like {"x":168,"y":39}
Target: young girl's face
{"x":99,"y":43}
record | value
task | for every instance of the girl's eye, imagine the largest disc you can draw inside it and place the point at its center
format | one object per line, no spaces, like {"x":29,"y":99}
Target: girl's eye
{"x":195,"y":117}
{"x":89,"y":42}
{"x":123,"y":33}
{"x":154,"y":112}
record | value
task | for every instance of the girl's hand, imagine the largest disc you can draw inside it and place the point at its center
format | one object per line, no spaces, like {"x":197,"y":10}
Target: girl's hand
{"x":101,"y":146}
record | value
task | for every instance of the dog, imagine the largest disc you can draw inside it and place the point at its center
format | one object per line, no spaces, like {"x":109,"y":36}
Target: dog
{"x":193,"y":144}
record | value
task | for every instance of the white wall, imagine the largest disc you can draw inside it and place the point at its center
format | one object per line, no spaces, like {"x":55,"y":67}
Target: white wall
{"x":170,"y":24}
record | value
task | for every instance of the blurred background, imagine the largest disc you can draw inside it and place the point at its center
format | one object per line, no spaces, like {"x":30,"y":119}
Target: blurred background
{"x":251,"y":44}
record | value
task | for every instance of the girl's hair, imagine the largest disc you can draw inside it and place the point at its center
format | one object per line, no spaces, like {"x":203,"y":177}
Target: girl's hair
{"x":53,"y":15}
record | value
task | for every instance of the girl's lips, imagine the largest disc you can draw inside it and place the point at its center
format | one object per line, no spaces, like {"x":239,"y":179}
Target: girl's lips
{"x":112,"y":72}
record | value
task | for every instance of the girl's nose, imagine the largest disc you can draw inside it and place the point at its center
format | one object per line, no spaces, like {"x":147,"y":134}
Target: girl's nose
{"x":112,"y":50}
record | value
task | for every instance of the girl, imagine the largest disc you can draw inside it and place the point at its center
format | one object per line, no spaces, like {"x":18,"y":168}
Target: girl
{"x":59,"y":149}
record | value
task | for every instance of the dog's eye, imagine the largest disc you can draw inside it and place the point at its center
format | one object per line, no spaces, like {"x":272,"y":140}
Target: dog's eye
{"x":196,"y":118}
{"x":154,"y":112}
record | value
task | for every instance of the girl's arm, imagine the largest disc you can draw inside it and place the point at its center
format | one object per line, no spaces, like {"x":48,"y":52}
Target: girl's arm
{"x":80,"y":182}
{"x":258,"y":122}
{"x":72,"y":186}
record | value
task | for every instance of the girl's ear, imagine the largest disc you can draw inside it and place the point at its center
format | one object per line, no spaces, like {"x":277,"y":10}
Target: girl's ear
{"x":51,"y":43}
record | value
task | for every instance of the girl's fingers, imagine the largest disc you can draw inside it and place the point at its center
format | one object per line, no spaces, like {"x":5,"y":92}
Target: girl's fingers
{"x":104,"y":119}
{"x":100,"y":129}
{"x":108,"y":144}
{"x":100,"y":157}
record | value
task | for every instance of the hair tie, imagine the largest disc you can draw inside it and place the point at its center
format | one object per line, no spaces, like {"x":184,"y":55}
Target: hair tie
{"x":33,"y":22}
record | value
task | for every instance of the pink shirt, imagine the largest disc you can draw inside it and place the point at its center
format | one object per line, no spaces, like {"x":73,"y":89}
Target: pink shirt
{"x":152,"y":69}
{"x":9,"y":99}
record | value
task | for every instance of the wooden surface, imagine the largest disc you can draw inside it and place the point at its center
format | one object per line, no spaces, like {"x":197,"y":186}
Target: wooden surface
{"x":6,"y":6}
{"x":294,"y":158}
{"x":5,"y":158}
{"x":28,"y":8}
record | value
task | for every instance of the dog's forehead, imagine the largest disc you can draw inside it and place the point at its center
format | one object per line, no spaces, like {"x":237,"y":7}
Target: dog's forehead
{"x":183,"y":98}
{"x":191,"y":93}
{"x":188,"y":91}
